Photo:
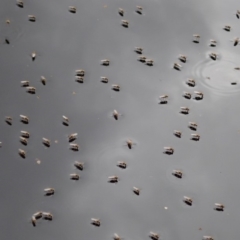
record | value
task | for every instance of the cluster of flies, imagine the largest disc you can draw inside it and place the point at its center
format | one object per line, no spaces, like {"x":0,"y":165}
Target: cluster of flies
{"x":79,"y":77}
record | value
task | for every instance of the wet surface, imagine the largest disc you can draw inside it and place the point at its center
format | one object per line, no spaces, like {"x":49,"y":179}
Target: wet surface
{"x":65,"y":42}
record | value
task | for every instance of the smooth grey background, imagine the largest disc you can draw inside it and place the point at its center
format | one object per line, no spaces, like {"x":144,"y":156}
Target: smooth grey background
{"x":65,"y":42}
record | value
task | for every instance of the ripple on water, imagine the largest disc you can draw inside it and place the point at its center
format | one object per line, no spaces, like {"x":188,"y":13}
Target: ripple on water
{"x":219,"y":76}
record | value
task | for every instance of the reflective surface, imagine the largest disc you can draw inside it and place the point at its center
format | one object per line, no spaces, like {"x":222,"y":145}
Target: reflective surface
{"x":65,"y":42}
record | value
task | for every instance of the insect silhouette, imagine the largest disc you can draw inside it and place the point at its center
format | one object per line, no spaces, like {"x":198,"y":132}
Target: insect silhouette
{"x":154,"y":236}
{"x":121,"y":12}
{"x":49,"y":191}
{"x":136,"y":190}
{"x":113,"y":179}
{"x":168,"y":150}
{"x":188,"y":200}
{"x":125,"y":23}
{"x":177,"y":173}
{"x":96,"y":222}
{"x":79,"y":165}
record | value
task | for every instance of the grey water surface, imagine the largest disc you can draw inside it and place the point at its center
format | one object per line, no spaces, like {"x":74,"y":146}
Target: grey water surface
{"x":65,"y":42}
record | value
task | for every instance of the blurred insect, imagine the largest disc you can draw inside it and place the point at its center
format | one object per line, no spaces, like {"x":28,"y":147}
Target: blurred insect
{"x":80,"y":72}
{"x":178,"y":133}
{"x":149,"y":62}
{"x":195,"y":136}
{"x":196,"y":38}
{"x":116,"y":237}
{"x":37,"y":215}
{"x":113,"y":179}
{"x":182,"y":58}
{"x":43,"y":80}
{"x":227,"y":28}
{"x":154,"y":236}
{"x":187,"y":95}
{"x":121,"y":12}
{"x":25,"y":134}
{"x":177,"y":173}
{"x":235,"y":41}
{"x":191,"y":82}
{"x":115,"y":114}
{"x":24,"y":119}
{"x":65,"y":120}
{"x":199,"y":95}
{"x":74,"y":176}
{"x":105,"y":62}
{"x":74,"y":146}
{"x":47,"y":216}
{"x":104,"y":79}
{"x":33,"y":220}
{"x":130,"y":143}
{"x":168,"y":150}
{"x":233,"y":83}
{"x":163,"y":99}
{"x":193,"y":125}
{"x":33,"y":55}
{"x":8,"y":120}
{"x":139,"y":9}
{"x":138,"y":50}
{"x":219,"y":207}
{"x":49,"y":191}
{"x":136,"y":190}
{"x":72,"y":137}
{"x":96,"y":222}
{"x":213,"y":43}
{"x":122,"y":165}
{"x":213,"y":56}
{"x":7,"y":41}
{"x":238,"y":14}
{"x":116,"y":87}
{"x":237,"y":68}
{"x":208,"y":238}
{"x":7,"y":21}
{"x":23,"y":140}
{"x":188,"y":200}
{"x":125,"y":23}
{"x":72,"y":9}
{"x":142,"y":59}
{"x":79,"y":165}
{"x":31,"y":90}
{"x":25,"y":83}
{"x":20,"y":3}
{"x":46,"y":142}
{"x":31,"y":18}
{"x":34,"y":217}
{"x":22,"y":153}
{"x":79,"y":79}
{"x":177,"y":66}
{"x":184,"y":110}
